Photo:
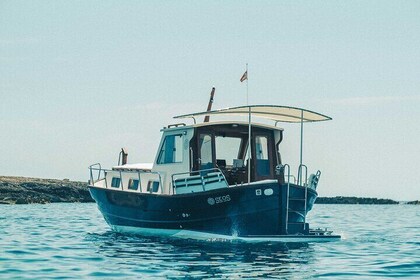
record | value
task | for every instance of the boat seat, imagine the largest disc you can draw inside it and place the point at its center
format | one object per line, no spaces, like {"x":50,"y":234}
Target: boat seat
{"x":189,"y":184}
{"x":197,"y":183}
{"x":214,"y":180}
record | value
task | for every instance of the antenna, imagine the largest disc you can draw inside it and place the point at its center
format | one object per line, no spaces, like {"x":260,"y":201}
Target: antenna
{"x":207,"y":118}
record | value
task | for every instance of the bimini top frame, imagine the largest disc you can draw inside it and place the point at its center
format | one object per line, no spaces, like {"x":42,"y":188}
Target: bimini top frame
{"x":273,"y":112}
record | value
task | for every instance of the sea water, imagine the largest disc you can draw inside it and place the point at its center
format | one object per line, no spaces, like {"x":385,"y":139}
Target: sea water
{"x":58,"y":241}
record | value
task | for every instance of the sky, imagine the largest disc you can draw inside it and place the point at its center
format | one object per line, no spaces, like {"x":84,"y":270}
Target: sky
{"x":81,"y":79}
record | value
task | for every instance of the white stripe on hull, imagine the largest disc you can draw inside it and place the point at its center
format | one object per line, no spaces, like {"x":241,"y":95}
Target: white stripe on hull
{"x":189,"y":234}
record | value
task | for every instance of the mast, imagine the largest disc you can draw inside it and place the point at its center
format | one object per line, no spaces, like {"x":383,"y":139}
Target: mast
{"x":207,"y":118}
{"x":249,"y":127}
{"x":245,"y":78}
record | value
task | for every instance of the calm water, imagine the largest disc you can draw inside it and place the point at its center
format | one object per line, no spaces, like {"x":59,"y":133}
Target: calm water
{"x":73,"y":241}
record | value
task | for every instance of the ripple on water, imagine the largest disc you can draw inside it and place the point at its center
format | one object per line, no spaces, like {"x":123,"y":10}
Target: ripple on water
{"x":62,"y":241}
{"x":19,"y":252}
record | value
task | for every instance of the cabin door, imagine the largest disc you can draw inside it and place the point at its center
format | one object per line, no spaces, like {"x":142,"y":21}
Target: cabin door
{"x":205,"y":151}
{"x":262,"y":155}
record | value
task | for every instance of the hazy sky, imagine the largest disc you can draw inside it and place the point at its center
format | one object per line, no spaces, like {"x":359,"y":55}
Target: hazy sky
{"x":80,"y":79}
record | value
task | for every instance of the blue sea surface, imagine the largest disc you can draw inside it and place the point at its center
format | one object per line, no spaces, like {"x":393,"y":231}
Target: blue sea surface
{"x":59,"y":241}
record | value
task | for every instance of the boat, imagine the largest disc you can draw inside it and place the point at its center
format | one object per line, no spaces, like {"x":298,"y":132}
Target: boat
{"x":215,"y":180}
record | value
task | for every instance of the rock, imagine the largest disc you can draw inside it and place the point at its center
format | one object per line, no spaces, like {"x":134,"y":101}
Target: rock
{"x":21,"y":201}
{"x":415,"y":202}
{"x":22,"y":190}
{"x":6,"y":202}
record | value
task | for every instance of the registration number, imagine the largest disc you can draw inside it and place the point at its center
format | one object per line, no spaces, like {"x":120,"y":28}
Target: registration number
{"x":221,"y":199}
{"x":218,"y":199}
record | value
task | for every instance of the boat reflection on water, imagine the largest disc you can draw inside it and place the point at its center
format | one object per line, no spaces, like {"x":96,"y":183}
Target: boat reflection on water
{"x":172,"y":257}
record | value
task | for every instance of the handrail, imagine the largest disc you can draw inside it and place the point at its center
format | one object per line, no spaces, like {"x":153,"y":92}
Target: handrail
{"x":139,"y":172}
{"x":300,"y":182}
{"x":191,"y":158}
{"x":305,"y":185}
{"x":288,"y":192}
{"x":160,"y":183}
{"x":291,"y":176}
{"x":288,"y":173}
{"x":194,"y":172}
{"x":91,"y":173}
{"x":121,"y":181}
{"x":306,"y":207}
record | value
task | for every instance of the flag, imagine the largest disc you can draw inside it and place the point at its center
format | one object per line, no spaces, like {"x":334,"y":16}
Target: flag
{"x":244,"y":76}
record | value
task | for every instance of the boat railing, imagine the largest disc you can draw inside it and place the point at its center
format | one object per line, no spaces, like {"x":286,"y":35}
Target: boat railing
{"x":290,"y":176}
{"x":125,"y":186}
{"x":303,"y":183}
{"x":285,"y":169}
{"x":302,"y":168}
{"x":91,"y":171}
{"x":198,"y":181}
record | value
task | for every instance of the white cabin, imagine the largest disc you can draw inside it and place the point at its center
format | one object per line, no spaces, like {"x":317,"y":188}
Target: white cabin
{"x":205,"y":156}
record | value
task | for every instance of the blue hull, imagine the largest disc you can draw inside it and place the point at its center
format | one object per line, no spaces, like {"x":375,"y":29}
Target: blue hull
{"x":250,"y":210}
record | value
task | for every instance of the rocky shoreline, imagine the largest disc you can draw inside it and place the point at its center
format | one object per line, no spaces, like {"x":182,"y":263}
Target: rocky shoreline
{"x":415,"y":202}
{"x":354,"y":200}
{"x":23,"y":190}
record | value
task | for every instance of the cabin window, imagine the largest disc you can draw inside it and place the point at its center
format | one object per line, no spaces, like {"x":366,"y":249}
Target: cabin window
{"x":206,"y":151}
{"x":261,"y":145}
{"x":133,"y":184}
{"x":171,"y":151}
{"x":261,"y":154}
{"x":152,"y":186}
{"x":227,"y":150}
{"x":115,"y":183}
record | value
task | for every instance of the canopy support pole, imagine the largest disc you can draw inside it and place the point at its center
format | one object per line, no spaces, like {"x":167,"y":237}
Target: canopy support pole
{"x":249,"y":145}
{"x":301,"y":147}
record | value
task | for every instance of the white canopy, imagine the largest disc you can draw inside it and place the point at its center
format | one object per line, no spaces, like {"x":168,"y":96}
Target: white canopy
{"x":272,"y":112}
